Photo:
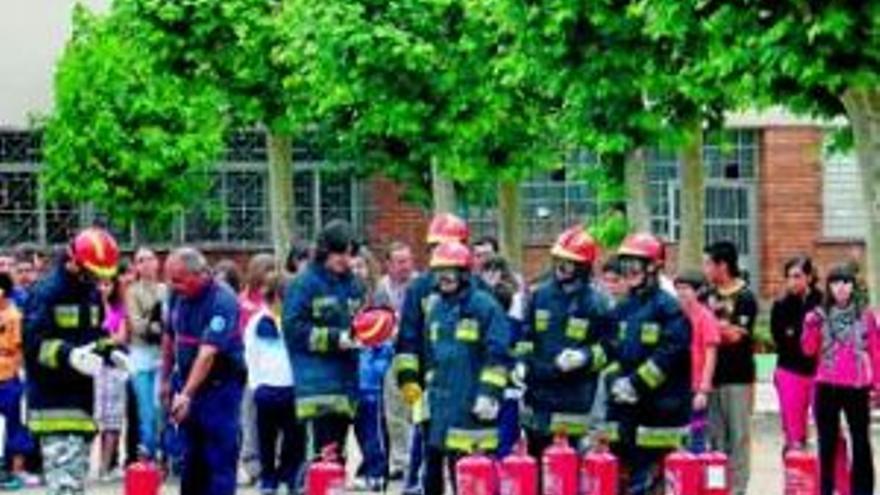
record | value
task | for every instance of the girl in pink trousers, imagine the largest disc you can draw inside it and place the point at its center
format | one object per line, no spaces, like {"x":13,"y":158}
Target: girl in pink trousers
{"x":846,"y":341}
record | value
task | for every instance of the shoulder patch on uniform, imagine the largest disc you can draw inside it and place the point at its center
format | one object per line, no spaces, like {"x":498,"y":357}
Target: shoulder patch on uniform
{"x":217,"y":324}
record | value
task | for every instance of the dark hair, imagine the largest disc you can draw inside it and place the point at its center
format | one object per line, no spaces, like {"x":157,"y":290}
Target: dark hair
{"x":841,"y":272}
{"x":724,"y":252}
{"x":26,"y":252}
{"x":394,"y":247}
{"x":299,"y":252}
{"x":227,"y":271}
{"x":805,"y":264}
{"x":115,"y":296}
{"x":6,"y":284}
{"x":692,"y":278}
{"x":490,"y":240}
{"x":335,"y":237}
{"x":507,"y":286}
{"x":612,"y":265}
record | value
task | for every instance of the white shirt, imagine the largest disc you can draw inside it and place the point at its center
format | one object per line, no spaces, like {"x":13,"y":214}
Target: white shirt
{"x":266,"y":359}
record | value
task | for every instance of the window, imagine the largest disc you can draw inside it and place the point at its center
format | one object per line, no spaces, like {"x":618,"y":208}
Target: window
{"x":843,"y":211}
{"x":236,"y":211}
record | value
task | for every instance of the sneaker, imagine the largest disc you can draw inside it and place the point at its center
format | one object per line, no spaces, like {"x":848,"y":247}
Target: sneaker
{"x":245,"y":478}
{"x":30,"y":480}
{"x":9,"y":482}
{"x":359,"y":484}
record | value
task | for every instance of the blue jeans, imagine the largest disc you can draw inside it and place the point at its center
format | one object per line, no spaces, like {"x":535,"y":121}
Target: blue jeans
{"x":372,"y":436}
{"x":144,"y":385}
{"x":18,"y":438}
{"x":276,"y":424}
{"x":508,"y":427}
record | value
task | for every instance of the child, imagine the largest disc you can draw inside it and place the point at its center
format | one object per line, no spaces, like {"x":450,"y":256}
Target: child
{"x":270,"y":378}
{"x":110,"y":383}
{"x":705,"y":337}
{"x":11,"y":389}
{"x":846,"y":340}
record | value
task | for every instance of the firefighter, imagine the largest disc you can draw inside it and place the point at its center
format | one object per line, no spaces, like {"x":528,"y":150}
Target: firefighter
{"x":464,"y":361}
{"x":562,"y":352}
{"x":410,"y":342}
{"x":318,"y":310}
{"x":65,"y":347}
{"x":648,"y":380}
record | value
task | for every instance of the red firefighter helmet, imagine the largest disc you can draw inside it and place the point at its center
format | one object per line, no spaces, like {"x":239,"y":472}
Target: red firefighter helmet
{"x":447,"y":227}
{"x":373,"y":326}
{"x":577,"y":245}
{"x":643,"y":245}
{"x":451,"y":254}
{"x":95,"y":250}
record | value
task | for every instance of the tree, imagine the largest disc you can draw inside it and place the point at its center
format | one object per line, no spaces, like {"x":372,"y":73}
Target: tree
{"x":124,"y":136}
{"x":820,"y":58}
{"x":411,"y":87}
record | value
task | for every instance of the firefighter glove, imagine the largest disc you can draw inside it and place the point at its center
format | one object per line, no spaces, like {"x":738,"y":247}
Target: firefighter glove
{"x":570,"y":360}
{"x":623,"y":391}
{"x":84,"y":360}
{"x":518,"y":376}
{"x":485,"y":408}
{"x":411,"y":393}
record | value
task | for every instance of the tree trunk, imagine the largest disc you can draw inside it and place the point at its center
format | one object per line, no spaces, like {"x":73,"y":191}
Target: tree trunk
{"x":863,"y":109}
{"x":693,"y":199}
{"x":509,"y":225}
{"x":443,"y":191}
{"x":636,"y":182}
{"x":280,"y":193}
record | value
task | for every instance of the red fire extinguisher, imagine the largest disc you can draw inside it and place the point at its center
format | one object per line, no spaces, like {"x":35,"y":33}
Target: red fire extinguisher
{"x":716,"y":474}
{"x":475,"y":475}
{"x":519,"y":473}
{"x":801,"y":473}
{"x":326,"y":476}
{"x":600,"y":472}
{"x":142,"y":478}
{"x":684,"y":473}
{"x":560,"y":468}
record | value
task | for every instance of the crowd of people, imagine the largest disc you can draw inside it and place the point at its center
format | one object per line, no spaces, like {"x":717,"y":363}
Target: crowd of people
{"x":226,"y":377}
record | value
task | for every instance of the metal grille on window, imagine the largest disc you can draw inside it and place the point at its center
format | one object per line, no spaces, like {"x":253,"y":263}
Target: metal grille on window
{"x":19,"y":208}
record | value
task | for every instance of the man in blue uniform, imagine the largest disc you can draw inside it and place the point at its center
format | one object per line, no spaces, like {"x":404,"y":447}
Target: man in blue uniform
{"x":563,"y":349}
{"x":465,"y":365}
{"x":318,"y":309}
{"x":649,"y":379}
{"x":208,"y":373}
{"x":62,"y":333}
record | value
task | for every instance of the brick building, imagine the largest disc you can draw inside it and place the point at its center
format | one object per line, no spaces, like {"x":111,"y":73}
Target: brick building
{"x":771,"y":185}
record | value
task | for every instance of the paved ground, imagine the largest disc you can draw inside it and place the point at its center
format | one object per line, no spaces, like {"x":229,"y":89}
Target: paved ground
{"x":766,"y":449}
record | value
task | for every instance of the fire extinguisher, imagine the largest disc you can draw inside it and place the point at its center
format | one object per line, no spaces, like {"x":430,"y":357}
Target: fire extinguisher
{"x":600,"y":473}
{"x":475,"y":475}
{"x":716,"y":474}
{"x":142,"y":478}
{"x":683,"y":473}
{"x":801,"y":473}
{"x":519,"y":473}
{"x":327,"y":475}
{"x":560,"y":468}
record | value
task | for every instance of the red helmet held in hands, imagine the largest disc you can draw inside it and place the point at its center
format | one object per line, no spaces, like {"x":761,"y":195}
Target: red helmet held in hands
{"x":575,"y":244}
{"x":644,"y":245}
{"x":447,"y":227}
{"x":451,"y":254}
{"x":373,"y":326}
{"x":95,"y":250}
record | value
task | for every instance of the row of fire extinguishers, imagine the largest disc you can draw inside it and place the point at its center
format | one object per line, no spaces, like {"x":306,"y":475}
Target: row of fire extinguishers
{"x":563,"y":473}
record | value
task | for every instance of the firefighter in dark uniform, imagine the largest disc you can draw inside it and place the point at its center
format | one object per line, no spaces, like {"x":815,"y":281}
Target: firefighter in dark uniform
{"x":563,"y":350}
{"x":649,"y":378}
{"x":65,"y":347}
{"x":465,"y":364}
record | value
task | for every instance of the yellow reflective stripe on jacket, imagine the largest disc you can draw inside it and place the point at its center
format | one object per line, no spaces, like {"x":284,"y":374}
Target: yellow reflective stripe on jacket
{"x":467,"y":330}
{"x":60,"y":421}
{"x":611,"y":430}
{"x":50,"y":351}
{"x":662,"y":437}
{"x":523,"y":348}
{"x":612,"y":368}
{"x":66,"y":315}
{"x":495,"y":376}
{"x":542,"y":320}
{"x":651,"y":374}
{"x":569,"y":424}
{"x":650,"y":333}
{"x":577,"y":329}
{"x":600,"y":359}
{"x":309,"y":407}
{"x":319,"y":340}
{"x":467,"y":441}
{"x":407,"y":362}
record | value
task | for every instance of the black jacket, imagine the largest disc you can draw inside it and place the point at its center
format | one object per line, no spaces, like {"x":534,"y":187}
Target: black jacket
{"x":786,"y":324}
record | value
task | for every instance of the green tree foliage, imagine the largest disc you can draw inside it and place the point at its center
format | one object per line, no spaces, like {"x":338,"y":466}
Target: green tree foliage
{"x":125,"y":136}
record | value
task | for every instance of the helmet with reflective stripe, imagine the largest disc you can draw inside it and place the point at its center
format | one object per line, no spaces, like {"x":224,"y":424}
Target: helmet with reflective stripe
{"x":452,"y":254}
{"x":95,"y":250}
{"x":373,"y":326}
{"x":447,"y":227}
{"x":643,"y":245}
{"x":575,"y":244}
